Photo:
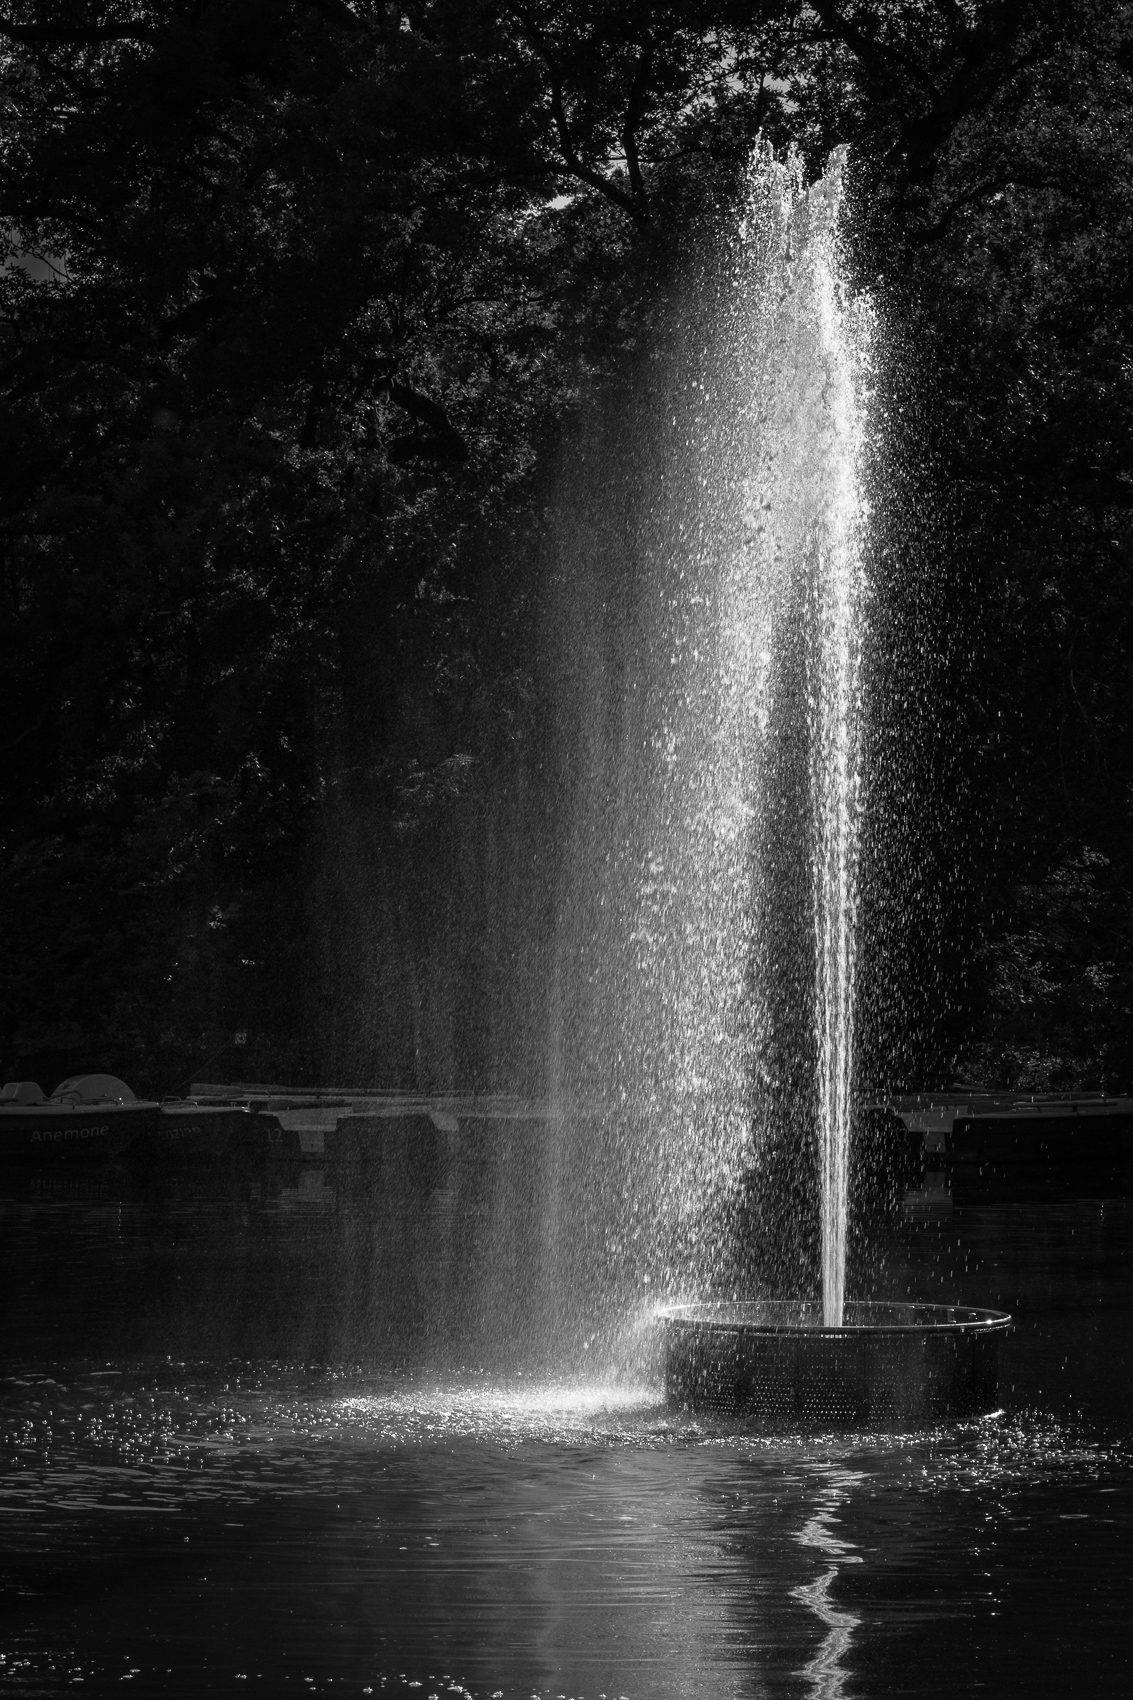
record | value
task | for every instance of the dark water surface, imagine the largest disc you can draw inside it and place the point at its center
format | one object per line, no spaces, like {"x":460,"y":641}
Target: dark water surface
{"x":271,"y":1434}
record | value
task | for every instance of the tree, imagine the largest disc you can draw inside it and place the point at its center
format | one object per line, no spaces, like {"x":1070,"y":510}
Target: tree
{"x":297,"y":298}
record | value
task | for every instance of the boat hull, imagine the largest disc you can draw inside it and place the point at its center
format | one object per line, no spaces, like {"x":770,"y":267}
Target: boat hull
{"x":142,"y":1134}
{"x":202,"y":1134}
{"x":77,"y":1133}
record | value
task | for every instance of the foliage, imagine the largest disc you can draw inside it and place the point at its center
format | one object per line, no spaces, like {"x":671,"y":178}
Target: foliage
{"x":296,"y":300}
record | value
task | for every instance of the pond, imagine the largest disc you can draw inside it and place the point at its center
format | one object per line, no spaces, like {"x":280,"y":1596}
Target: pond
{"x":252,"y":1441}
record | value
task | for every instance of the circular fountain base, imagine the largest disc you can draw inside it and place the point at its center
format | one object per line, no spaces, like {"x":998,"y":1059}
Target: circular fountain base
{"x":888,"y":1364}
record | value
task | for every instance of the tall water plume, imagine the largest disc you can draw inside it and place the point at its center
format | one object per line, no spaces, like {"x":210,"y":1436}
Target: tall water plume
{"x":836,"y":730}
{"x":709,"y":612}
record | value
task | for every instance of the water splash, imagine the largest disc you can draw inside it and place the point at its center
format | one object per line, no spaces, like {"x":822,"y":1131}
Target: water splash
{"x":711,"y":594}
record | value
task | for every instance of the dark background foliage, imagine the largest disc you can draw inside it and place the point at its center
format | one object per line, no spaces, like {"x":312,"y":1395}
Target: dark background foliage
{"x":298,"y":300}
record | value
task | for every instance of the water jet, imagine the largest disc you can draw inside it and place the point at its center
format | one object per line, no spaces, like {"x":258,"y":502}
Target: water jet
{"x":713,"y":596}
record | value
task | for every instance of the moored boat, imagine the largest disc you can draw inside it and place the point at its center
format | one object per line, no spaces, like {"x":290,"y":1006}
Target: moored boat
{"x":98,"y":1116}
{"x":88,"y":1115}
{"x":189,"y":1131}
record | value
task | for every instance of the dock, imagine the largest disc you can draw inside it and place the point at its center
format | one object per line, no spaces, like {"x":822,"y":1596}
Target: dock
{"x":968,"y":1136}
{"x":329,"y":1122}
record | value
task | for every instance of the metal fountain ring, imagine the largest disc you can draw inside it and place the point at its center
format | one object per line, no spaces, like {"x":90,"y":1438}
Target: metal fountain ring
{"x":773,"y":1359}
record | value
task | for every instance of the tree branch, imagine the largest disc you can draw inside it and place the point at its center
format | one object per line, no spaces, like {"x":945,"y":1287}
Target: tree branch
{"x":635,"y":111}
{"x":337,"y":12}
{"x":42,"y":34}
{"x":866,"y":47}
{"x":575,"y":164}
{"x":940,"y":227}
{"x":439,"y":441}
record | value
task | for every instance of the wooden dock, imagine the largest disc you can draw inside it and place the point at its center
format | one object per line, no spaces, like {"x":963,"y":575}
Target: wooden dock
{"x":326,"y":1119}
{"x":980,"y":1132}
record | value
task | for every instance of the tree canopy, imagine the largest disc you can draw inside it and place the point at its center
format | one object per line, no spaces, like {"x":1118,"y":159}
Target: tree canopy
{"x":296,"y":300}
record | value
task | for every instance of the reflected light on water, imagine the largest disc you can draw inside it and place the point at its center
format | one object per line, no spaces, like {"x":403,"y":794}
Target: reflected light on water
{"x":185,"y":1511}
{"x":516,"y":1412}
{"x":826,"y":1673}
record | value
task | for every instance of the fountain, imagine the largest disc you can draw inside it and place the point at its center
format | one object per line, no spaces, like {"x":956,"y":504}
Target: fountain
{"x":885,"y":1364}
{"x":832,"y":1361}
{"x":719,"y":721}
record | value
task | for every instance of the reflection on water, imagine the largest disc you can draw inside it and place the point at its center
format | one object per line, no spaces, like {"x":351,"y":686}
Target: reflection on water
{"x":826,"y":1673}
{"x":243,"y":1450}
